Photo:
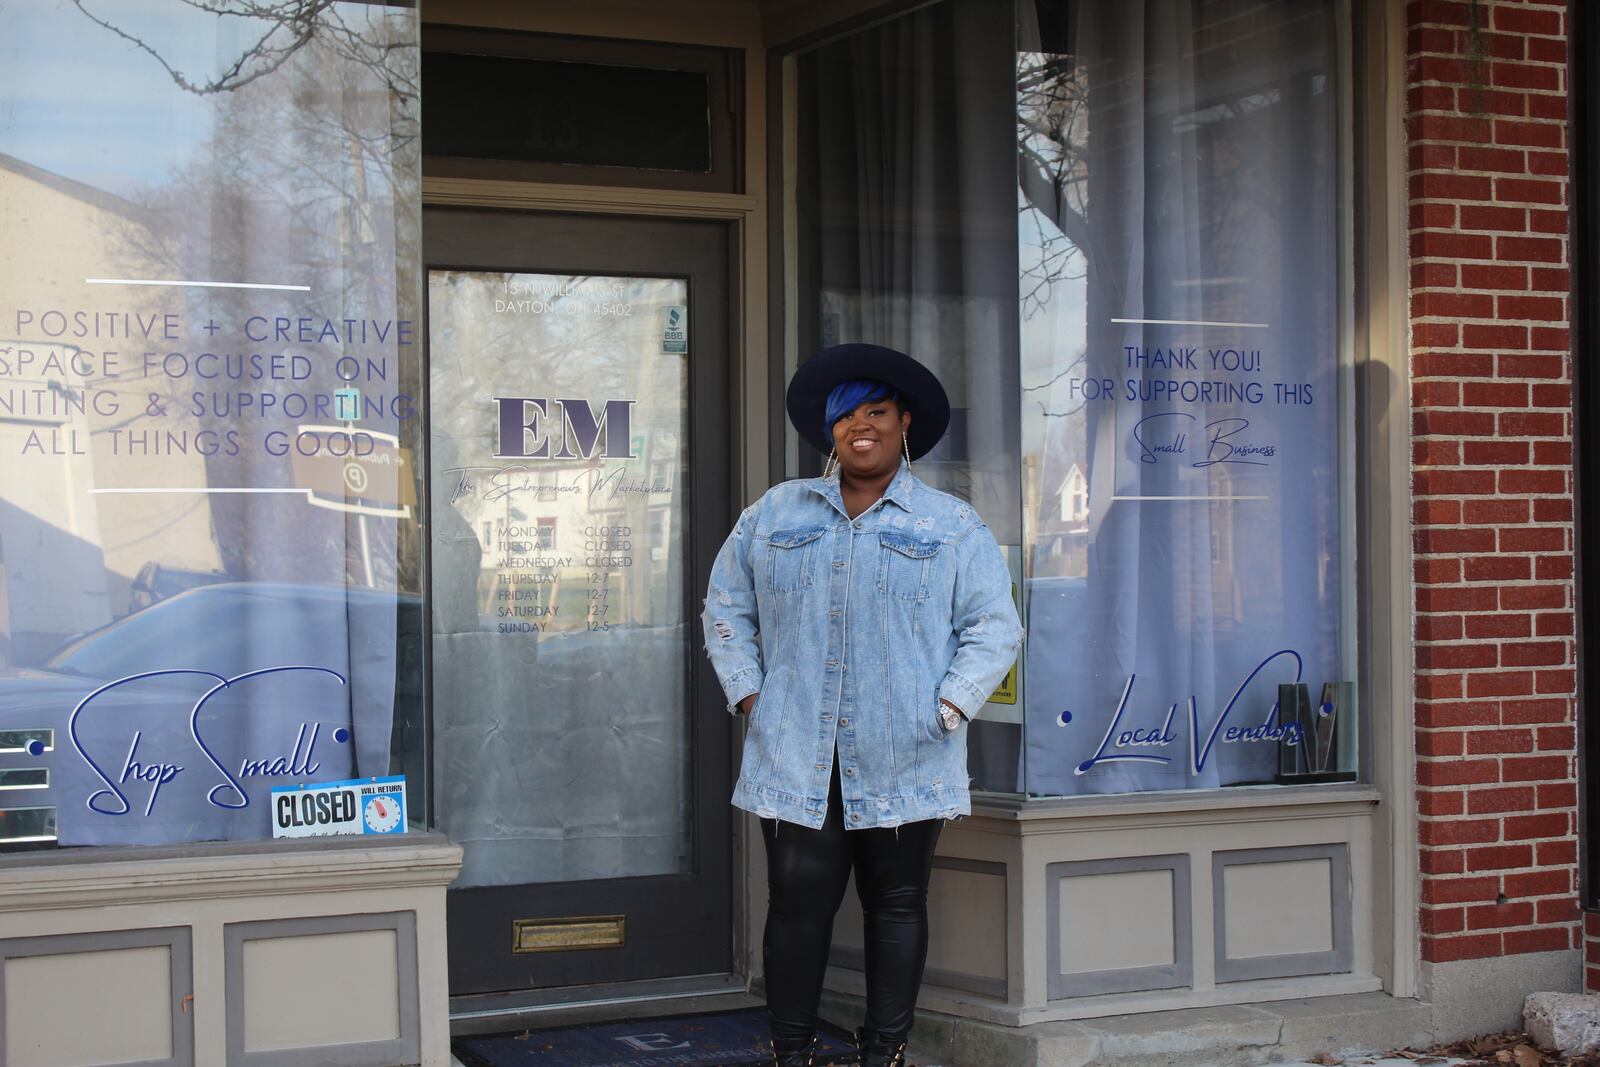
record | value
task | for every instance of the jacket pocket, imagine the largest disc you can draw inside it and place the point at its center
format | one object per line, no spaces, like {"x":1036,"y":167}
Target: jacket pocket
{"x":790,"y":565}
{"x":764,"y":730}
{"x":904,"y":563}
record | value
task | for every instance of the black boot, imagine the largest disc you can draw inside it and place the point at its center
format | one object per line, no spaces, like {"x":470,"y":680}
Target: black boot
{"x":880,"y":1051}
{"x":794,"y":1054}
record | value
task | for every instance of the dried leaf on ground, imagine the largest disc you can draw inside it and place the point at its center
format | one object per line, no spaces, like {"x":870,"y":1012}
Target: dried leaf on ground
{"x":1510,"y":1048}
{"x":1528,"y":1056}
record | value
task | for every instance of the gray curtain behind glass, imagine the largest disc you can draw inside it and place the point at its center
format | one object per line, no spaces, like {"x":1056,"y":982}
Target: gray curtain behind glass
{"x":909,"y":178}
{"x":907,"y":199}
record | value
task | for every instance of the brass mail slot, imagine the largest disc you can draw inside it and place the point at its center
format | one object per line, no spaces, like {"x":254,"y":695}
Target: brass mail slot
{"x":565,"y":934}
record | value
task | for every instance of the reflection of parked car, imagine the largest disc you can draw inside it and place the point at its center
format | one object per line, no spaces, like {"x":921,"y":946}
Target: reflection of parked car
{"x":370,"y":639}
{"x":205,"y":625}
{"x":155,"y":582}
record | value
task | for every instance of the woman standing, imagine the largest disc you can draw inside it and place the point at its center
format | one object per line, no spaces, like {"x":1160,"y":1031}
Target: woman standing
{"x":858,"y":620}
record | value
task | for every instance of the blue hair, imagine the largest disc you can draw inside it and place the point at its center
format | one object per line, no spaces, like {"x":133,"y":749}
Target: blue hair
{"x":851,"y":394}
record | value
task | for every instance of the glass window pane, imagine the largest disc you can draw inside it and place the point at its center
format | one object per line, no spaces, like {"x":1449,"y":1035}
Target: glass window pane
{"x":1184,"y":446}
{"x":549,"y":111}
{"x":207,"y":436}
{"x":560,"y":650}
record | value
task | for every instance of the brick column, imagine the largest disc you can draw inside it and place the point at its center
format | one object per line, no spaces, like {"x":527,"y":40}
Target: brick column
{"x":1492,"y":477}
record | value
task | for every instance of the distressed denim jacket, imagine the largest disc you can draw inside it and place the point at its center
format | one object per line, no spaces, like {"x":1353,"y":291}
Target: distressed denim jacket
{"x":850,"y":632}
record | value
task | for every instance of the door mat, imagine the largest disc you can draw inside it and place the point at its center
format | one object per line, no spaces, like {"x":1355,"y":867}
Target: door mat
{"x":713,"y":1039}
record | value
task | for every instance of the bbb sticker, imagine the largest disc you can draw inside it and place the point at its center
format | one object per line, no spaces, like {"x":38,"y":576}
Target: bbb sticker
{"x":330,"y":809}
{"x":675,"y":330}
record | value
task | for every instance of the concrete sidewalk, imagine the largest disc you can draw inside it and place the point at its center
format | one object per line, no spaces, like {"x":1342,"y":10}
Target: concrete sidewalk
{"x":1291,"y":1033}
{"x":1427,"y":1061}
{"x":1354,"y":1026}
{"x":1365,"y":1061}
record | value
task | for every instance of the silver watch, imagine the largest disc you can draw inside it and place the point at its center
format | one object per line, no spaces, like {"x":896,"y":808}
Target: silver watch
{"x":950,"y":717}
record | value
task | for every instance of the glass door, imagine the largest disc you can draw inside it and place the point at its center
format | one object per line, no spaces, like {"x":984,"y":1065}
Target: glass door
{"x":579,"y":435}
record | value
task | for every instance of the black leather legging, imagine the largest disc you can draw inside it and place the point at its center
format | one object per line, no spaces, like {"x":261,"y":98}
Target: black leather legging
{"x":807,"y":871}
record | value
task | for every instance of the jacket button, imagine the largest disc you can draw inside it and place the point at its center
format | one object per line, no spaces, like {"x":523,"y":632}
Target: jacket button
{"x":855,"y":817}
{"x":844,"y":722}
{"x":849,"y":772}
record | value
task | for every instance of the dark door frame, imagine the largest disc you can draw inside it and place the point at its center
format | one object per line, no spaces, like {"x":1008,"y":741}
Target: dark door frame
{"x":711,"y":389}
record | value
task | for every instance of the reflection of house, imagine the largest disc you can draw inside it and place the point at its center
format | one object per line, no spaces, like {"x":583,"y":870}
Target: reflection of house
{"x":1061,"y":537}
{"x":66,"y":426}
{"x":1059,"y":503}
{"x":1074,"y":494}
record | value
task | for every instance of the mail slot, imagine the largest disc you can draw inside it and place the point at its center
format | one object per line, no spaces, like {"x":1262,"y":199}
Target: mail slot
{"x":567,"y":934}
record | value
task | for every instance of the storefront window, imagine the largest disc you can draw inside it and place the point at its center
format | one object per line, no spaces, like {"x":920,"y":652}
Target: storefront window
{"x":209,"y":352}
{"x":1178,"y":248}
{"x":1167,"y":332}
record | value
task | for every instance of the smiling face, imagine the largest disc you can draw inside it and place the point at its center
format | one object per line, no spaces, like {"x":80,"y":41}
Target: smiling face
{"x":868,"y":439}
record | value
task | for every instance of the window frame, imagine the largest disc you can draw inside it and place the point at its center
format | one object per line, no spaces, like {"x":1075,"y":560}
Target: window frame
{"x":723,"y":68}
{"x":1584,"y":237}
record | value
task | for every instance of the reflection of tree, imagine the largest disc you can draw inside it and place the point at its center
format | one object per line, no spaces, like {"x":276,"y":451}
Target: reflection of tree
{"x":311,"y":178}
{"x":282,"y":28}
{"x":1044,"y":407}
{"x":1052,"y":168}
{"x":1053,"y":178}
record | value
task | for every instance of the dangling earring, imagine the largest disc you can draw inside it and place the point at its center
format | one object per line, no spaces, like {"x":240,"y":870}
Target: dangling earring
{"x":829,"y":463}
{"x":907,"y":448}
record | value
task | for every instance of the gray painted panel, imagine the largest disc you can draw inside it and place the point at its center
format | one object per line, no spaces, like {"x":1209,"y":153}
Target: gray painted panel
{"x":852,"y":959}
{"x":1175,"y":975}
{"x":970,"y":983}
{"x":177,"y":940}
{"x":1288,"y":965}
{"x":956,"y":863}
{"x":403,"y":1051}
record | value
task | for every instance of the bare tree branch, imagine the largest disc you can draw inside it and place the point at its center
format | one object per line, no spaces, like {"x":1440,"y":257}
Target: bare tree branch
{"x":298,"y":18}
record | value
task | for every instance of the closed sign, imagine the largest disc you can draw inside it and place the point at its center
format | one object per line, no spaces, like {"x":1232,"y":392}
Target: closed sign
{"x":328,"y":809}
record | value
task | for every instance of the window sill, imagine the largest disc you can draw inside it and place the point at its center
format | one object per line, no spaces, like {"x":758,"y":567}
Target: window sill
{"x":90,"y":876}
{"x":1011,"y":807}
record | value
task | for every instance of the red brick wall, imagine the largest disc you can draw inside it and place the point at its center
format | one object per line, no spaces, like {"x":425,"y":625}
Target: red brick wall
{"x":1492,"y":477}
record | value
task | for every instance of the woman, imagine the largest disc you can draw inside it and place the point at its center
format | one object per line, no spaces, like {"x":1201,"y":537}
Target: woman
{"x":858,"y":620}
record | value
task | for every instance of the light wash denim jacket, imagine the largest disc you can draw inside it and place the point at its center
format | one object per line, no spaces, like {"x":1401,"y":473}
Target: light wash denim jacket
{"x":850,"y":632}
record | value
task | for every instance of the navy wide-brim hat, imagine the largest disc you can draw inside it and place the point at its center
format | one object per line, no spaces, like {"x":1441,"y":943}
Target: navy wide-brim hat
{"x":920,"y":392}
